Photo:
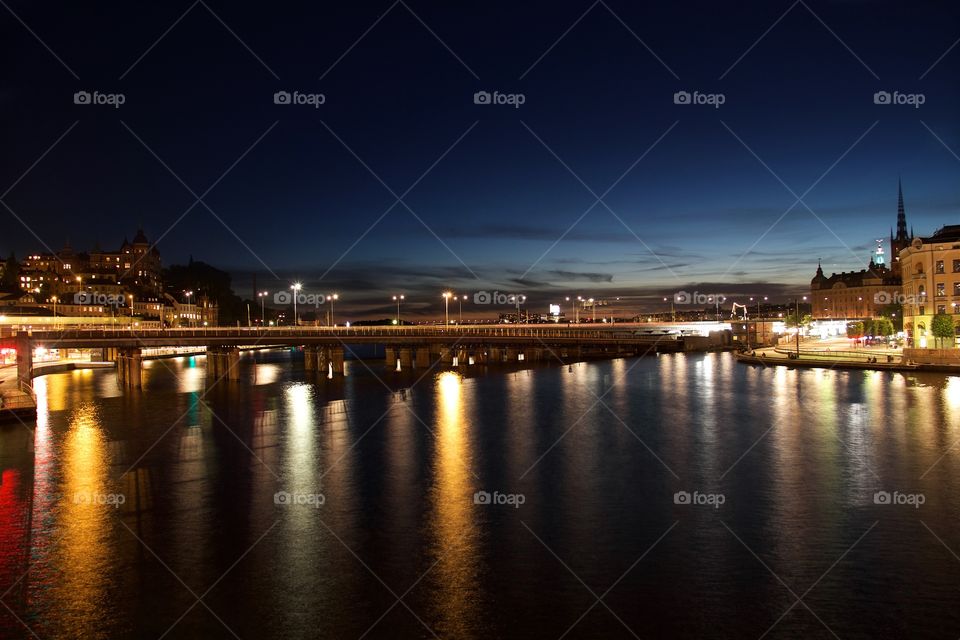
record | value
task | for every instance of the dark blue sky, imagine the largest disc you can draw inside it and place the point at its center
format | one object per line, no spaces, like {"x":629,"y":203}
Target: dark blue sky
{"x":494,"y":187}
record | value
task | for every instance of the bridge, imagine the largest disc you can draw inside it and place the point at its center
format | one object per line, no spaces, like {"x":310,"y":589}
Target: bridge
{"x":410,"y":346}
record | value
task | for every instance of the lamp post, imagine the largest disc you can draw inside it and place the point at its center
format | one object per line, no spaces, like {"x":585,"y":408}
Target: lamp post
{"x":519,"y":299}
{"x":446,"y":307}
{"x":460,"y":304}
{"x":131,"y":308}
{"x":263,"y":311}
{"x":187,"y":295}
{"x":798,"y":326}
{"x":333,"y":297}
{"x":296,"y":286}
{"x":398,"y":300}
{"x":593,"y":309}
{"x":572,"y":306}
{"x":576,"y":315}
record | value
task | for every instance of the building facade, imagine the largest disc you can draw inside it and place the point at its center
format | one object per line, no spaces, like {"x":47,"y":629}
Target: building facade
{"x":858,"y":295}
{"x":931,"y":282}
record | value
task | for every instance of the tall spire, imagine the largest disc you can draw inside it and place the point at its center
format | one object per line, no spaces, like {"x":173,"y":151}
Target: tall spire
{"x":901,"y":215}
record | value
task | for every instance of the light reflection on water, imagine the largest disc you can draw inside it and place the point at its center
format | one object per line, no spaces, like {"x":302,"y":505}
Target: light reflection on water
{"x":597,"y":449}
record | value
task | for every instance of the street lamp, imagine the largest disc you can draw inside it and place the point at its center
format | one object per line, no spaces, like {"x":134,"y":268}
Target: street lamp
{"x":263,"y":313}
{"x":296,"y":286}
{"x":398,"y":300}
{"x":460,"y":302}
{"x":593,"y":309}
{"x":576,"y":315}
{"x":131,"y":305}
{"x":446,"y":307}
{"x":187,"y":295}
{"x":333,"y":297}
{"x":798,"y":326}
{"x":520,"y":299}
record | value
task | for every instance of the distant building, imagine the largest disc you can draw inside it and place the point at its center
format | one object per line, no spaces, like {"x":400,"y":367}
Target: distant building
{"x":857,"y":295}
{"x":931,"y":281}
{"x":853,"y":294}
{"x":135,"y":268}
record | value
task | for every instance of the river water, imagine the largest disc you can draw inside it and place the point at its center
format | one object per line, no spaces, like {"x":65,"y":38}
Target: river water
{"x":678,"y":496}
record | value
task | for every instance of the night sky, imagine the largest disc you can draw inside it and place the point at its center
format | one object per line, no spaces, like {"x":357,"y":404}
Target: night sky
{"x":494,"y":197}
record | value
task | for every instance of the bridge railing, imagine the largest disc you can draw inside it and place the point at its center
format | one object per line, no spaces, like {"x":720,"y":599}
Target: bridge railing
{"x":266,"y":333}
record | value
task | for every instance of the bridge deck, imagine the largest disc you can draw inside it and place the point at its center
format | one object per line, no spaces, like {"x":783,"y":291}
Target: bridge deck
{"x":496,"y":334}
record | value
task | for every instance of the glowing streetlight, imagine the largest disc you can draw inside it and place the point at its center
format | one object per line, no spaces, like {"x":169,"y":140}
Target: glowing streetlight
{"x":263,"y":296}
{"x":398,"y":300}
{"x":460,"y":302}
{"x":296,"y":286}
{"x":446,"y":307}
{"x":593,"y":308}
{"x":519,"y":299}
{"x":332,"y":297}
{"x":187,"y":294}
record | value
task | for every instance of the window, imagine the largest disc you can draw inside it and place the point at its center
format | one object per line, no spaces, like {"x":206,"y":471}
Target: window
{"x":921,"y":311}
{"x":956,"y":288}
{"x":939,"y":267}
{"x":941,"y":290}
{"x":956,"y":266}
{"x":941,"y":308}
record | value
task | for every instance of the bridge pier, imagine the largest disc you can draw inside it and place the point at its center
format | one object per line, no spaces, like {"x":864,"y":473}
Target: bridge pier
{"x":390,"y":357}
{"x":406,"y":358}
{"x":422,"y":356}
{"x":495,"y":355}
{"x":446,"y":355}
{"x":223,"y":362}
{"x":512,"y":354}
{"x":310,"y":359}
{"x":24,"y":349}
{"x":336,"y":360}
{"x":130,"y":368}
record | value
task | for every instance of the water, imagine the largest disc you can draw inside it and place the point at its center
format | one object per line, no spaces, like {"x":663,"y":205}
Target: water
{"x":134,"y":515}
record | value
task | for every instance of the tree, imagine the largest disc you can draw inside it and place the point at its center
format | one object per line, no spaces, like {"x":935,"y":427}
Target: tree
{"x":942,"y":328}
{"x":868,"y":328}
{"x":204,"y":279}
{"x":894,"y":312}
{"x":883,"y":327}
{"x":791,"y":320}
{"x":855,"y":330}
{"x":11,"y":274}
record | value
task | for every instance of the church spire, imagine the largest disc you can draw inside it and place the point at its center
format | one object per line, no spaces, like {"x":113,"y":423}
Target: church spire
{"x":901,"y":215}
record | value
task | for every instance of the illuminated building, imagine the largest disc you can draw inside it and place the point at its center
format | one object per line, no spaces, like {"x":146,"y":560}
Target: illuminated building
{"x":931,"y":280}
{"x":863,"y":294}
